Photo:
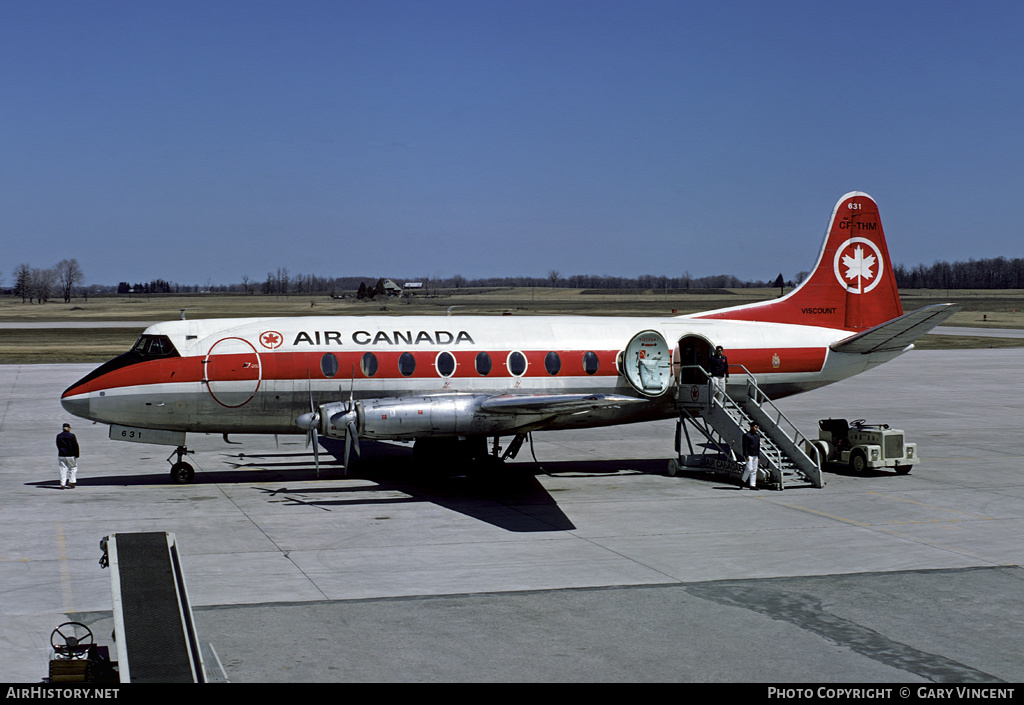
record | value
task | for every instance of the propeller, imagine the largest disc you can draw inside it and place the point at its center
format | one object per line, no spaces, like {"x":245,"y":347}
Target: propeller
{"x":343,"y":418}
{"x":348,"y":419}
{"x":310,"y":423}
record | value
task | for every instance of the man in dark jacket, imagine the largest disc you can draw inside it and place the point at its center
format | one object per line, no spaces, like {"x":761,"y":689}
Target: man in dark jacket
{"x":718,"y":367}
{"x":67,"y":457}
{"x":751,"y":452}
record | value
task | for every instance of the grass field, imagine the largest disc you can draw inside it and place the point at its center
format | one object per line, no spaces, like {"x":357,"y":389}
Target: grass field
{"x":981,"y":308}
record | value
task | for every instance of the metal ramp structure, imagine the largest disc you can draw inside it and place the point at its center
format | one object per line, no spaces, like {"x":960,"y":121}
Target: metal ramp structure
{"x":723,"y":419}
{"x":153,"y":625}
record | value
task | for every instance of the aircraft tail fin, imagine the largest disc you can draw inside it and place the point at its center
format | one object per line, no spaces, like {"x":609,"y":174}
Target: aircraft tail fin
{"x":853,"y":285}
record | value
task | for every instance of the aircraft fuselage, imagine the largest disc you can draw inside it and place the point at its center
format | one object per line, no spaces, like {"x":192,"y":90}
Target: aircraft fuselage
{"x":256,"y":375}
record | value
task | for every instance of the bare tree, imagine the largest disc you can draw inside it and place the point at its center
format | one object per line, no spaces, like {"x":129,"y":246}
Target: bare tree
{"x":41,"y":284}
{"x":22,"y":281}
{"x":68,"y":275}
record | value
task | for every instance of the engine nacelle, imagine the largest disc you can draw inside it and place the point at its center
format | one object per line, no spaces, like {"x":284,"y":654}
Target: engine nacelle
{"x":406,"y":418}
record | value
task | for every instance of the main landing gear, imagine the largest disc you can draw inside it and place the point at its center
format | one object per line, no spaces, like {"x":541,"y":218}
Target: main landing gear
{"x":181,"y":472}
{"x":465,"y":452}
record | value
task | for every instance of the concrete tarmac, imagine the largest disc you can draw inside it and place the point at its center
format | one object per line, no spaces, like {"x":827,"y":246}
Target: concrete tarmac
{"x":595,"y":566}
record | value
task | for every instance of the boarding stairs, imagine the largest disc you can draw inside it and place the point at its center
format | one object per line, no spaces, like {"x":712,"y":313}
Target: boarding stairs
{"x":722,"y":418}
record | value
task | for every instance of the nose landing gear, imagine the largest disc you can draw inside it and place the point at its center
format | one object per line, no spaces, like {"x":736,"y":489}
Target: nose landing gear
{"x":182,"y":473}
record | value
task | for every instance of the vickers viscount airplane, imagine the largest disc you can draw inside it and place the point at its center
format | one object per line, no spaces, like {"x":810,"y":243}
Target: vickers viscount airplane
{"x":451,"y":383}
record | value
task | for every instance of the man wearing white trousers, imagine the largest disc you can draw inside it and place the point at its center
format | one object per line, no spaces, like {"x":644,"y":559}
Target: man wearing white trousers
{"x":67,"y":457}
{"x":751,"y":452}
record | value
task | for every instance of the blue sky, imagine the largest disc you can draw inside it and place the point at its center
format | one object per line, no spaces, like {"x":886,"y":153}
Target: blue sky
{"x":202,"y":141}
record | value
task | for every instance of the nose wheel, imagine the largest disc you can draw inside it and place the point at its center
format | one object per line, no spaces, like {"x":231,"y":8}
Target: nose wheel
{"x":182,"y":473}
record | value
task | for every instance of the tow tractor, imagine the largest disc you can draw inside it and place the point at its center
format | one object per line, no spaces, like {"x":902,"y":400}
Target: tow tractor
{"x":865,"y":446}
{"x":77,"y":659}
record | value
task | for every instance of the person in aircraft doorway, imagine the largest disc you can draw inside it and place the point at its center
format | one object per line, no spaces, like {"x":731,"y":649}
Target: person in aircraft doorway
{"x":718,"y":367}
{"x":67,"y":457}
{"x":751,"y":453}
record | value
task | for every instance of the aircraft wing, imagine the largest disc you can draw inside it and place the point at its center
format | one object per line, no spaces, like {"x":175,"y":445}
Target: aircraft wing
{"x":555,"y":403}
{"x":897,"y":333}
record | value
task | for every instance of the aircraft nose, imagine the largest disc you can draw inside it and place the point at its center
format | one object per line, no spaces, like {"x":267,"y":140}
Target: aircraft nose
{"x":77,"y":405}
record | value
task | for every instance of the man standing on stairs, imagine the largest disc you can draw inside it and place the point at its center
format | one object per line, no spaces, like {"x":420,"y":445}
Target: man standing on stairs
{"x":751,"y":452}
{"x":718,"y":365}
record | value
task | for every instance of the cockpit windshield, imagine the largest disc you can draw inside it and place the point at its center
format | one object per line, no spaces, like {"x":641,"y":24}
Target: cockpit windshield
{"x":154,"y":346}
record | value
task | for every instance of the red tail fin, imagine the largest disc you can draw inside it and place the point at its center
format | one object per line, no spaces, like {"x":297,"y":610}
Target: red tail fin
{"x":852,"y":286}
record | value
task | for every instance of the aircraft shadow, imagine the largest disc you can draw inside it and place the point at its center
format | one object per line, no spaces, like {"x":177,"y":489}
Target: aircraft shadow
{"x":510,"y":498}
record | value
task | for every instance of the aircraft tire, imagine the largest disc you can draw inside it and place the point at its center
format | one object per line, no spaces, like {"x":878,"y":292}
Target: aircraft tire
{"x":182,"y":473}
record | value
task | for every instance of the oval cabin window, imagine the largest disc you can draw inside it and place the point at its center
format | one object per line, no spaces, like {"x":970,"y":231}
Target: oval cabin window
{"x":552,"y":363}
{"x":368,"y":364}
{"x":445,"y":364}
{"x":517,"y":363}
{"x":483,"y":364}
{"x":329,"y":365}
{"x":406,"y":364}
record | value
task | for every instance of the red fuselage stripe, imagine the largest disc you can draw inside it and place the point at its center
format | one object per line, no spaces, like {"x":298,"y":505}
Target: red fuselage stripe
{"x":303,"y":365}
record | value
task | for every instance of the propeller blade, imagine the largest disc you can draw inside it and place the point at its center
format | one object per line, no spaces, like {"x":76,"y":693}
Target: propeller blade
{"x":316,"y":451}
{"x":353,"y":435}
{"x":310,"y":421}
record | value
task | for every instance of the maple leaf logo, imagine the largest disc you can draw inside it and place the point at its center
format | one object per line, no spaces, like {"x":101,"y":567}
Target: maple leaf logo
{"x":271,"y":339}
{"x":859,"y":267}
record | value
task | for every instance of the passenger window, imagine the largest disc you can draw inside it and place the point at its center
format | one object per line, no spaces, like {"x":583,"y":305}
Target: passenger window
{"x":552,"y":363}
{"x":517,"y":363}
{"x":483,"y":364}
{"x":368,"y":364}
{"x":406,"y":364}
{"x":591,"y":363}
{"x":329,"y":365}
{"x":445,"y":364}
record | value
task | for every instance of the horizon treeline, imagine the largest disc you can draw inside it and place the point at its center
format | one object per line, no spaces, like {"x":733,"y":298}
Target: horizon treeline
{"x":991,"y":273}
{"x":284,"y":284}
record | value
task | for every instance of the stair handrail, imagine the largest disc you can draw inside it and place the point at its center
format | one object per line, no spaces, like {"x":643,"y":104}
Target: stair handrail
{"x":761,"y":399}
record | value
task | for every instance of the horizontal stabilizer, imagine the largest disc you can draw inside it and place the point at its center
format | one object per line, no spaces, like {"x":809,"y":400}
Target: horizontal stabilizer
{"x":898,"y":333}
{"x":554,"y":403}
